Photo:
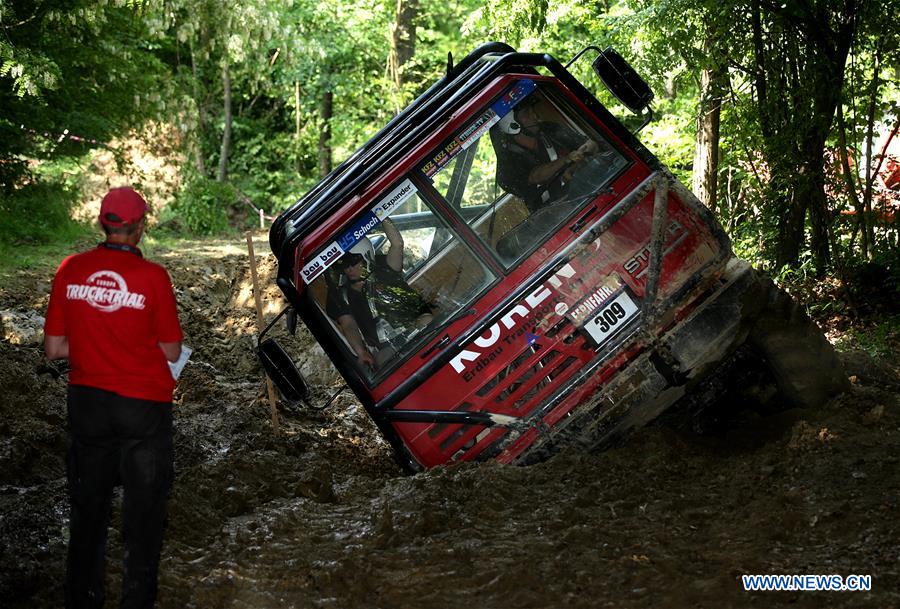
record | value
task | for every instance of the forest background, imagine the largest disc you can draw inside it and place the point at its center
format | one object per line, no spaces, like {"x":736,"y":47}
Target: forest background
{"x":782,"y":115}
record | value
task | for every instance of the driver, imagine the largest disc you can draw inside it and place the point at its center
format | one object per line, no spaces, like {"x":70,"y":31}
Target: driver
{"x":372,"y":302}
{"x":536,"y":159}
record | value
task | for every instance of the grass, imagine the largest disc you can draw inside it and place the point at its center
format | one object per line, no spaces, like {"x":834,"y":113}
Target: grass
{"x":19,"y":257}
{"x":23,"y":256}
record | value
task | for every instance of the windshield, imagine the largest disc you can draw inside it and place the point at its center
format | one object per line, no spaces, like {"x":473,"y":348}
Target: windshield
{"x":399,"y":272}
{"x":392,"y":278}
{"x":521,"y":168}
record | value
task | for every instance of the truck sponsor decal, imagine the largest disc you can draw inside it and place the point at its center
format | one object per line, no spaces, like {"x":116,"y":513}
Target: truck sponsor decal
{"x":638,"y":265}
{"x":594,"y":300}
{"x":445,"y":155}
{"x":394,"y":199}
{"x":517,"y":93}
{"x":478,"y":127}
{"x":473,"y":132}
{"x":485,"y":349}
{"x":321,"y":261}
{"x":372,"y":218}
{"x":357,"y":231}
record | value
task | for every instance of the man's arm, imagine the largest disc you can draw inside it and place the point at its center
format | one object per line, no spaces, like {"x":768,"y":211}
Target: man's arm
{"x":172,"y":351}
{"x":351,"y":331}
{"x":564,"y":137}
{"x":56,"y":347}
{"x":165,"y":318}
{"x":542,"y":173}
{"x":395,"y":252}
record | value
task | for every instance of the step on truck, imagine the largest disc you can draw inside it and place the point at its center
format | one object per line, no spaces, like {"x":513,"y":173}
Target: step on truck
{"x":505,"y":270}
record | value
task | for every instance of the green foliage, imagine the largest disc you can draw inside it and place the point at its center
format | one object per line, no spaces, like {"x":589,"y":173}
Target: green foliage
{"x":100,"y":69}
{"x":71,"y":69}
{"x":879,"y":341}
{"x":47,"y":256}
{"x":201,"y":208}
{"x":803,"y":272}
{"x":514,"y":20}
{"x":262,"y":166}
{"x":37,"y":214}
{"x":671,"y":138}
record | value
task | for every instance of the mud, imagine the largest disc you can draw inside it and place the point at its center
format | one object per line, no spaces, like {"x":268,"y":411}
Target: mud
{"x":320,"y":516}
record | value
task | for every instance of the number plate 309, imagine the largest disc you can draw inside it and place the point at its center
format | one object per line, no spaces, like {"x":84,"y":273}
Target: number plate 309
{"x":610,"y":318}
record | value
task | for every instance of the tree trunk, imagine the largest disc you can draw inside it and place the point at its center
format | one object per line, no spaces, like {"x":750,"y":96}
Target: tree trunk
{"x":819,"y":214}
{"x":850,"y":181}
{"x":868,"y":236}
{"x":297,"y":126}
{"x":199,"y":161}
{"x":706,"y":152}
{"x":761,"y":69}
{"x":802,"y":182}
{"x":403,"y":39}
{"x":670,"y":87}
{"x":326,"y":109}
{"x":791,"y":221}
{"x":226,"y":132}
{"x":800,"y":62}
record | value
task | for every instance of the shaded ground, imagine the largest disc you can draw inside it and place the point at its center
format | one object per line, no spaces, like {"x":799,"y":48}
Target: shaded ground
{"x":321,"y":516}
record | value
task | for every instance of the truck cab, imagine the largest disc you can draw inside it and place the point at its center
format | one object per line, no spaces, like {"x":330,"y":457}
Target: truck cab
{"x":504,"y":269}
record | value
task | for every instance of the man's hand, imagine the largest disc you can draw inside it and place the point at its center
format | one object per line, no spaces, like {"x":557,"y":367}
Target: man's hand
{"x":172,"y":351}
{"x":589,"y":147}
{"x":578,"y":156}
{"x":582,"y":152}
{"x":366,"y":358}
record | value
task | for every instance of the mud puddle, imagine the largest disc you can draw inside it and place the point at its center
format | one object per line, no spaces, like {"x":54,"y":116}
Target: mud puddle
{"x":320,"y":516}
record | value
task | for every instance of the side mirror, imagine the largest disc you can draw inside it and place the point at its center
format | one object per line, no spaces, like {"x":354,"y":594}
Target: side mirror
{"x":282,"y":371}
{"x":622,"y":81}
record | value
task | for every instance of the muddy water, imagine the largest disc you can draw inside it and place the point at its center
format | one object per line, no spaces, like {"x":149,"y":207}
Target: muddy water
{"x":321,"y":517}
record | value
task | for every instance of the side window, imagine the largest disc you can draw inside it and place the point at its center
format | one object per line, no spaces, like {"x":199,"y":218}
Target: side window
{"x":521,"y":168}
{"x":392,"y":279}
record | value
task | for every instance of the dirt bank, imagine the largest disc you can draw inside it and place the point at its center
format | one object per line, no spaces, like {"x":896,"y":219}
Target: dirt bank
{"x":321,"y":516}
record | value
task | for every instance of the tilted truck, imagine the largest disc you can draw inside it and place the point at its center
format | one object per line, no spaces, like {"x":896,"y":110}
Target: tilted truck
{"x":568,"y":298}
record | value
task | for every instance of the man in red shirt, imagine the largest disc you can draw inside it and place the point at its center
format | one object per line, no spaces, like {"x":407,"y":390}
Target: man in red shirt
{"x":113,"y":315}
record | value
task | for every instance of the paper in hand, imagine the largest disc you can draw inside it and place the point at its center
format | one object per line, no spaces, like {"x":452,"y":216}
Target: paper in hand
{"x":178,"y":365}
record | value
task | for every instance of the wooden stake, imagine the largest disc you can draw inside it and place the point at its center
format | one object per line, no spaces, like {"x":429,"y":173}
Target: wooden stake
{"x":260,"y":325}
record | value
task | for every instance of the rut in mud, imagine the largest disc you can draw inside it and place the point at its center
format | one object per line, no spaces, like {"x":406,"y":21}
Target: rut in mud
{"x":320,"y":516}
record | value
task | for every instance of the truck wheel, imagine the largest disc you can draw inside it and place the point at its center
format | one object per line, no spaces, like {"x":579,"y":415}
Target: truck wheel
{"x":804,"y":364}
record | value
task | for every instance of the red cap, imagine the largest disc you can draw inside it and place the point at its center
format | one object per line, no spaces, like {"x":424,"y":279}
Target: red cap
{"x":122,"y":206}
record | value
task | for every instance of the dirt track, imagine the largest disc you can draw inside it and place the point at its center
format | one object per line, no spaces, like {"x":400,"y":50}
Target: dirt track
{"x":321,"y":516}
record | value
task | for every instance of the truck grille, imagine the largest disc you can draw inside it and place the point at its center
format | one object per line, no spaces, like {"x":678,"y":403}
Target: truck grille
{"x":519,"y":388}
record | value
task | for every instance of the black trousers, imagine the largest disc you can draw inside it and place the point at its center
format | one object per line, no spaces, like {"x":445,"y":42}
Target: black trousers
{"x":112,"y":440}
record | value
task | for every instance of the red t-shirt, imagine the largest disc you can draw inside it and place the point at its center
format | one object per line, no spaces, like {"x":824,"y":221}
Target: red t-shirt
{"x":115,"y":307}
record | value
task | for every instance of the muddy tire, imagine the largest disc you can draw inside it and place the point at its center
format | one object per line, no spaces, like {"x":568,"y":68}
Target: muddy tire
{"x":804,"y":364}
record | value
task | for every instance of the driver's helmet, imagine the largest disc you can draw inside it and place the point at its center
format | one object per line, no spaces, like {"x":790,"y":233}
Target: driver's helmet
{"x":363,"y":250}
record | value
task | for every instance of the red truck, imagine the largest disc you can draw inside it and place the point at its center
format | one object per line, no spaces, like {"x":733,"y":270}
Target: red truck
{"x":504,"y":270}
